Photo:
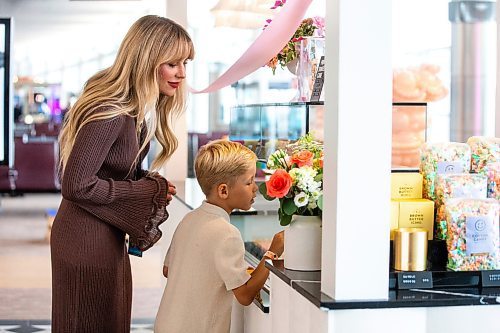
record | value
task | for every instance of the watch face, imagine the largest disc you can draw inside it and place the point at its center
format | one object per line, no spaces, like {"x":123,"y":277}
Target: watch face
{"x":271,"y":255}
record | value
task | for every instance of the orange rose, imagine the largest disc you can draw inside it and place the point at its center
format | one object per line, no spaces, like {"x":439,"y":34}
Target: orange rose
{"x":279,"y":184}
{"x":305,"y":157}
{"x":320,"y":162}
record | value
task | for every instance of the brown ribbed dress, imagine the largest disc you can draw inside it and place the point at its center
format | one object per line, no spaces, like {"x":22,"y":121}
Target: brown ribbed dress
{"x":91,"y":277}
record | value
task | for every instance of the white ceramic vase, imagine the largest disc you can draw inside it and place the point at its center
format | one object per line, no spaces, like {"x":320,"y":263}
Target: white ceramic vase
{"x":303,"y":243}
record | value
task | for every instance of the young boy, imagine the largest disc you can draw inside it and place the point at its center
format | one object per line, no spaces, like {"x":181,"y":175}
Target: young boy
{"x":205,"y":263}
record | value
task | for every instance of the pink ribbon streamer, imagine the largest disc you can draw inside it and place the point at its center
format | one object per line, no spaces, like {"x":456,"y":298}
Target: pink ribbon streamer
{"x":265,"y":47}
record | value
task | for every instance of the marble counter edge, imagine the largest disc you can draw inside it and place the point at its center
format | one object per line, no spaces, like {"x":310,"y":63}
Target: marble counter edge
{"x":311,"y":290}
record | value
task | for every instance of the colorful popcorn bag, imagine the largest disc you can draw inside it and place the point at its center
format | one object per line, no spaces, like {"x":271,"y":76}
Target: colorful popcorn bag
{"x":492,"y":172}
{"x":449,"y":186}
{"x":484,"y":151}
{"x":442,"y":158}
{"x":473,"y":235}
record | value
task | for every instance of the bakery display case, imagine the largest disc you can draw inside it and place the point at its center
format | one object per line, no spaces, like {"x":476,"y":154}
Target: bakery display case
{"x":264,"y":128}
{"x":267,"y":127}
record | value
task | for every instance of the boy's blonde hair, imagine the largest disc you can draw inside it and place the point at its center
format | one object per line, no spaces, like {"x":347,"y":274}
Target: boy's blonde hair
{"x":221,"y":162}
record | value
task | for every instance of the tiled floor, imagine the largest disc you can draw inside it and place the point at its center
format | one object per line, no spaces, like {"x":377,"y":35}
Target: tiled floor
{"x":43,"y":326}
{"x":25,"y":275}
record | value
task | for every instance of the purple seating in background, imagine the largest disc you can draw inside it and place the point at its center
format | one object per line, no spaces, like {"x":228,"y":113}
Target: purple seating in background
{"x":36,"y":159}
{"x":36,"y":162}
{"x":47,"y":129}
{"x":195,"y":141}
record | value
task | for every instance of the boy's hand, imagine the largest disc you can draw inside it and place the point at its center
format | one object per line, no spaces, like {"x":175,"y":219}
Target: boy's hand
{"x":278,"y":243}
{"x":165,"y":271}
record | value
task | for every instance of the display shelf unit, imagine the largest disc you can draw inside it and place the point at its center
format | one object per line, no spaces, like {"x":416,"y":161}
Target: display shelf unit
{"x":442,"y":277}
{"x":269,"y":126}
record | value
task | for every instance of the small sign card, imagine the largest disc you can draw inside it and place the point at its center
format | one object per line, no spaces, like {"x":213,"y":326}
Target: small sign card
{"x":490,"y":278}
{"x":318,"y":81}
{"x":410,"y":280}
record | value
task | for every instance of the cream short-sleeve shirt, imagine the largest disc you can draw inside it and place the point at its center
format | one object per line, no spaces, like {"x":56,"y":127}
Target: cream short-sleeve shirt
{"x":205,"y":262}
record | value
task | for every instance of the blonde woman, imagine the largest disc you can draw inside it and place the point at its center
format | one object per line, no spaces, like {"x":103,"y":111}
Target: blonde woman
{"x":106,"y":194}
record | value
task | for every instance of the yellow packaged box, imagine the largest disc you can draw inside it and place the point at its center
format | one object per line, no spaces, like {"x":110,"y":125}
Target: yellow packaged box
{"x":417,"y":213}
{"x":406,"y":185}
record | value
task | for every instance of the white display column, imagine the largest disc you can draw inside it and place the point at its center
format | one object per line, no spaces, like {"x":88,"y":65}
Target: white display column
{"x":176,"y":167}
{"x":358,"y":101}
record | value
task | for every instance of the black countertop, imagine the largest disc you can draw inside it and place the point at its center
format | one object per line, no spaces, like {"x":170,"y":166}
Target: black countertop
{"x":308,"y":284}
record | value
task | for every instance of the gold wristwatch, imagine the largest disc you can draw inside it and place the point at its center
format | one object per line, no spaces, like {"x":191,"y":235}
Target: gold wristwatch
{"x":270,"y":255}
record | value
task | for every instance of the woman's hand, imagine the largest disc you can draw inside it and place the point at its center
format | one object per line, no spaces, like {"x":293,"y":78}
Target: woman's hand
{"x":171,"y":191}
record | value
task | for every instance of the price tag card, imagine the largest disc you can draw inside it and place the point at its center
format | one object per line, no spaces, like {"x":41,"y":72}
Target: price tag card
{"x":490,"y":278}
{"x":410,"y":280}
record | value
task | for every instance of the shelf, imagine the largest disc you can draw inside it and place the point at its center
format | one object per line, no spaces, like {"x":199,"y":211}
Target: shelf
{"x":440,"y":275}
{"x":281,"y":104}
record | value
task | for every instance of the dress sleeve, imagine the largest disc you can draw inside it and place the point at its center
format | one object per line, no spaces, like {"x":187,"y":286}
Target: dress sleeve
{"x":137,"y":207}
{"x":230,"y":262}
{"x":140,"y":171}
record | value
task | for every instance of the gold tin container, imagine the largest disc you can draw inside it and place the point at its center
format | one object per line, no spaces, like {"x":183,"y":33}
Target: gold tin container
{"x":410,"y":249}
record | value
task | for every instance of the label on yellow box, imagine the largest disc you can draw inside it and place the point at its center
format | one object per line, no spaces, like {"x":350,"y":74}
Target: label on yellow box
{"x":406,"y":185}
{"x":417,"y":213}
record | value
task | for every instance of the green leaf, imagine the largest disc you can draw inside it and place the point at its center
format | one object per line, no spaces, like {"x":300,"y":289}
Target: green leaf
{"x":285,"y":220}
{"x":289,"y":207}
{"x":263,"y":191}
{"x":320,"y":202}
{"x":319,"y":177}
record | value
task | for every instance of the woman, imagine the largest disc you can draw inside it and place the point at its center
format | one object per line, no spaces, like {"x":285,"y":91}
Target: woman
{"x":106,"y":194}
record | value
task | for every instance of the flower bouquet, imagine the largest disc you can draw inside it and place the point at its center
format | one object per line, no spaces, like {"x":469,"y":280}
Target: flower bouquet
{"x":297,"y":179}
{"x":314,"y":26}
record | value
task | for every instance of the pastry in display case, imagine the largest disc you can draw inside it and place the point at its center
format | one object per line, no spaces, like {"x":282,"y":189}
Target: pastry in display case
{"x":409,"y":123}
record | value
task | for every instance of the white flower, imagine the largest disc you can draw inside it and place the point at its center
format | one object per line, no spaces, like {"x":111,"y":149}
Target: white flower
{"x":276,"y":160}
{"x":270,"y":163}
{"x":312,"y":204}
{"x":313,"y":186}
{"x":304,"y":178}
{"x":315,"y":194}
{"x":301,"y":199}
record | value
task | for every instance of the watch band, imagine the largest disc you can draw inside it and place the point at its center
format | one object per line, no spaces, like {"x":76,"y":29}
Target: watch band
{"x":271,"y":255}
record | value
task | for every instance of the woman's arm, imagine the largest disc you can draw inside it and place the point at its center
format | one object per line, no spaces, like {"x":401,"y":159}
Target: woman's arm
{"x":136,"y":207}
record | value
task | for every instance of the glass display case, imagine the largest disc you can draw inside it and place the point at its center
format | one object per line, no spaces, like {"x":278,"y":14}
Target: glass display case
{"x":266,"y":127}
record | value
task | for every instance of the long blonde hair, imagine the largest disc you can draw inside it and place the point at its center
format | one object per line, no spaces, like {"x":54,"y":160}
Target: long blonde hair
{"x":130,"y":87}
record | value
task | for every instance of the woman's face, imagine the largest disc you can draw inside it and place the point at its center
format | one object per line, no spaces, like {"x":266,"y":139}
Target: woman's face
{"x":170,"y":76}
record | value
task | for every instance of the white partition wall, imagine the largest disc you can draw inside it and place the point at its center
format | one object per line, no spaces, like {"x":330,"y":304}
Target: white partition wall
{"x":176,"y":167}
{"x":358,"y":97}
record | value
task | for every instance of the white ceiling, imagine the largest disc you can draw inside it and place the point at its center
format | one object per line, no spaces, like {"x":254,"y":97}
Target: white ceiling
{"x":40,"y":25}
